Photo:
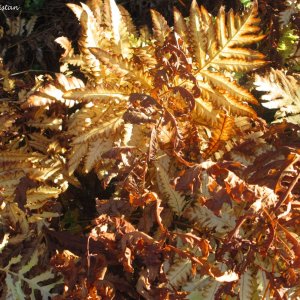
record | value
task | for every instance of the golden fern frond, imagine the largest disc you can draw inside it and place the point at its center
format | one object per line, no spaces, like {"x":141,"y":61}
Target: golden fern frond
{"x":29,"y":182}
{"x":78,"y":151}
{"x":180,"y":26}
{"x":99,"y":92}
{"x":123,"y":67}
{"x":234,"y":31}
{"x":217,"y":47}
{"x":8,"y":116}
{"x":105,"y":129}
{"x":66,"y":44}
{"x":89,"y":38}
{"x":53,"y":123}
{"x":53,"y":92}
{"x":146,"y":56}
{"x":92,"y":35}
{"x":217,"y":44}
{"x":68,"y":57}
{"x":97,"y":7}
{"x":118,"y":28}
{"x":223,"y":98}
{"x":94,"y":129}
{"x":206,"y":44}
{"x":220,"y":135}
{"x":96,"y":149}
{"x":18,"y":156}
{"x":221,"y":82}
{"x":199,"y":37}
{"x":38,"y":197}
{"x":76,"y":9}
{"x":204,"y":113}
{"x":160,"y":27}
{"x":105,"y":26}
{"x":129,"y":25}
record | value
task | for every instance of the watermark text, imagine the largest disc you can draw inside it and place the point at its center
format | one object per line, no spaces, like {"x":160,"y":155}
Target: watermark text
{"x":7,"y":7}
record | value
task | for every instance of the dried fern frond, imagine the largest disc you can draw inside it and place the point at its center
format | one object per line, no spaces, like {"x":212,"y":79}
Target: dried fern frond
{"x":175,"y":200}
{"x":171,"y":134}
{"x":293,"y":7}
{"x":283,"y":94}
{"x":217,"y":46}
{"x":95,"y":129}
{"x":53,"y":92}
{"x":20,"y":283}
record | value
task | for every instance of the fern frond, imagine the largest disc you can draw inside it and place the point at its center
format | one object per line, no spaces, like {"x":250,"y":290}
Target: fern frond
{"x":121,"y":66}
{"x":175,"y":200}
{"x":15,"y":280}
{"x":224,"y":37}
{"x":292,"y":7}
{"x":160,"y":27}
{"x":47,"y":123}
{"x":95,"y":125}
{"x":97,"y":93}
{"x":105,"y":130}
{"x":96,"y":149}
{"x":220,"y":135}
{"x":97,"y":9}
{"x":129,"y":25}
{"x":117,"y":24}
{"x":66,"y":44}
{"x":246,"y":285}
{"x":36,"y":198}
{"x":53,"y":92}
{"x":202,"y":288}
{"x":204,"y":112}
{"x":199,"y":34}
{"x":263,"y":285}
{"x":116,"y":21}
{"x":18,"y":156}
{"x":180,"y":26}
{"x":205,"y":218}
{"x":219,"y":46}
{"x":283,"y":94}
{"x":222,"y":98}
{"x":78,"y":152}
{"x":179,"y":272}
{"x":220,"y":81}
{"x":76,"y":9}
{"x":89,"y":38}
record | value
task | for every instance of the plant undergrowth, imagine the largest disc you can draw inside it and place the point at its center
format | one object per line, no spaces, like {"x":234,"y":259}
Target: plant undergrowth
{"x":150,"y":175}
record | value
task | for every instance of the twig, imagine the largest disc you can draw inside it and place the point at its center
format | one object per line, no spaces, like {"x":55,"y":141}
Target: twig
{"x":27,"y":71}
{"x":294,"y":182}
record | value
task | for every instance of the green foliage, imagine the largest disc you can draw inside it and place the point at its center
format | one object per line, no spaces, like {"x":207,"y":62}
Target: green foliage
{"x":34,"y":5}
{"x":288,"y":42}
{"x":246,"y":3}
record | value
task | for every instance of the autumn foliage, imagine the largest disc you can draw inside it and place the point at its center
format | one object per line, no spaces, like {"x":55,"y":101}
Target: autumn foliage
{"x":149,"y":174}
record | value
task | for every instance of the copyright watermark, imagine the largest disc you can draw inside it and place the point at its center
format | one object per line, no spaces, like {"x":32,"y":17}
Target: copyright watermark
{"x":7,"y":7}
